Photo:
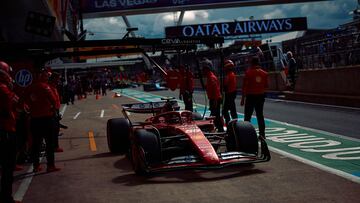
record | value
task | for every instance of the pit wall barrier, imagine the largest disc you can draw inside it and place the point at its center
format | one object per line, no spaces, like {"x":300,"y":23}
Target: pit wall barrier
{"x":333,"y":86}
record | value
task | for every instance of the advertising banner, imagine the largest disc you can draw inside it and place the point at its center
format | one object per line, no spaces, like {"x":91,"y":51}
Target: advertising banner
{"x":238,"y":28}
{"x":102,"y":8}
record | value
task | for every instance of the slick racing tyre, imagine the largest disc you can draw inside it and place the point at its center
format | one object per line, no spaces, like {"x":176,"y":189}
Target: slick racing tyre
{"x":242,"y":137}
{"x":117,"y":132}
{"x":145,"y":150}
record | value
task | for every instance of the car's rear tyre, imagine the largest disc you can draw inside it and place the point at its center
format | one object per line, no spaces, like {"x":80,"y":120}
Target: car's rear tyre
{"x":242,"y":137}
{"x":117,"y":133}
{"x":145,"y":150}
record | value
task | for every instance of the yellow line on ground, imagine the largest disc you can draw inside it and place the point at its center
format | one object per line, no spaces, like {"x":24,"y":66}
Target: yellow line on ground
{"x":92,"y":141}
{"x":115,"y":106}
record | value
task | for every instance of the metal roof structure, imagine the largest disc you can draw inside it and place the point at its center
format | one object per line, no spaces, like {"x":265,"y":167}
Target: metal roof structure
{"x":283,"y":37}
{"x":92,"y":65}
{"x":108,"y":8}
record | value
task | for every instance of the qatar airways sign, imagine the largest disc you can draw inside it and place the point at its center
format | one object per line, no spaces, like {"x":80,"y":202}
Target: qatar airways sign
{"x":238,"y":28}
{"x":102,"y":8}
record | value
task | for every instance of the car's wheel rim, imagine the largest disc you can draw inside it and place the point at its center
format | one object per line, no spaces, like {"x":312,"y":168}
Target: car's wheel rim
{"x":108,"y":136}
{"x":135,"y":158}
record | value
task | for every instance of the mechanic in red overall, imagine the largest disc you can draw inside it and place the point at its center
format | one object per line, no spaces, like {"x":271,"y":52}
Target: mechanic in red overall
{"x":230,"y":91}
{"x":53,"y":83}
{"x":213,"y":93}
{"x":42,"y":104}
{"x":254,"y":86}
{"x":186,"y":87}
{"x":8,"y":102}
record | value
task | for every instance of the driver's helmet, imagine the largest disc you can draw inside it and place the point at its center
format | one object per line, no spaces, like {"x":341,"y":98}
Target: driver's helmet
{"x":167,"y":107}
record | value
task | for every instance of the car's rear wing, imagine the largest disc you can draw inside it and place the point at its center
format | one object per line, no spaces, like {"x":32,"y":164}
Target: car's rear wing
{"x":150,"y":107}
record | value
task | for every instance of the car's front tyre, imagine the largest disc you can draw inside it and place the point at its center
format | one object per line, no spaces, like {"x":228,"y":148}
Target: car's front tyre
{"x":241,"y":137}
{"x":117,"y":133}
{"x":145,"y":150}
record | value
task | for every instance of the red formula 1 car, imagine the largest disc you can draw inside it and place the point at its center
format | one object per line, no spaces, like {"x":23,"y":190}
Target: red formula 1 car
{"x":173,"y":139}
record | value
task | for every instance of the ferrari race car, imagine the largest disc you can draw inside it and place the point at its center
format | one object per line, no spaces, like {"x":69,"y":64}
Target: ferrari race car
{"x":173,"y":139}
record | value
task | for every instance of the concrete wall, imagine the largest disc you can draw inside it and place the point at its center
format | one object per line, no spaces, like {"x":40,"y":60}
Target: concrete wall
{"x":338,"y":86}
{"x":337,"y":81}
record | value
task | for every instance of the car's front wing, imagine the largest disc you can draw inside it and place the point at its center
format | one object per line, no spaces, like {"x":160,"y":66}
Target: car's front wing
{"x":193,"y":162}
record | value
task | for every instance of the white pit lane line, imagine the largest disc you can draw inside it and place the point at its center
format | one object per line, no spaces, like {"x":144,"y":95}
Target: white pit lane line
{"x":102,"y":113}
{"x":62,"y":112}
{"x":25,"y":183}
{"x":24,"y":186}
{"x":77,"y":115}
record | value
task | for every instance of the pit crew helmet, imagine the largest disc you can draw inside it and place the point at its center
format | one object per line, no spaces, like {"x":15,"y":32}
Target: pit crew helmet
{"x":207,"y":64}
{"x":229,"y":65}
{"x":5,"y":70}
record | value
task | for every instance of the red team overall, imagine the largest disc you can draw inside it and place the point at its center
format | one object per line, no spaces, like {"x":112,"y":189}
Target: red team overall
{"x":230,"y":91}
{"x":8,"y":102}
{"x":53,"y":83}
{"x":254,"y":86}
{"x":213,"y":93}
{"x":186,"y":87}
{"x":42,"y":103}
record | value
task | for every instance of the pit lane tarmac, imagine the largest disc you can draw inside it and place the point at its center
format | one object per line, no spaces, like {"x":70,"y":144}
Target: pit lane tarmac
{"x":91,"y":174}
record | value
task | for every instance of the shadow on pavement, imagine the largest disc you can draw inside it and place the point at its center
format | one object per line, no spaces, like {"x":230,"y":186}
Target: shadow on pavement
{"x":182,"y":176}
{"x":123,"y":164}
{"x":101,"y":155}
{"x":26,"y":174}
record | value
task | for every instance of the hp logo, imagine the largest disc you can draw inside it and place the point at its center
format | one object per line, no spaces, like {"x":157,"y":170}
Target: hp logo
{"x":23,"y":78}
